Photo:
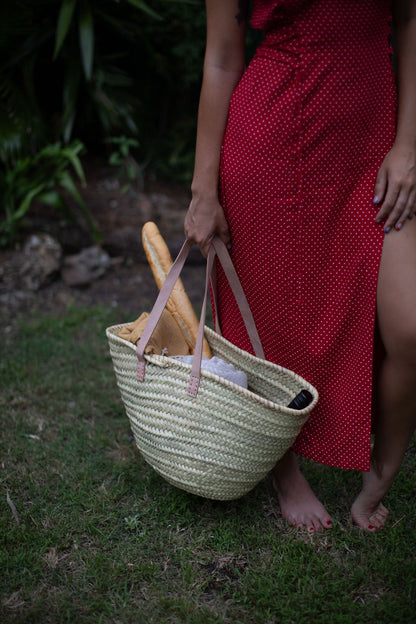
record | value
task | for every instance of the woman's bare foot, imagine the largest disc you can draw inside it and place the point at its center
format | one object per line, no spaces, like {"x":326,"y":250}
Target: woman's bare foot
{"x":367,"y":511}
{"x":298,"y":503}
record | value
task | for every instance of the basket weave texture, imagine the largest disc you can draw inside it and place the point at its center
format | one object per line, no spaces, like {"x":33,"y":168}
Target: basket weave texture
{"x":220,"y":444}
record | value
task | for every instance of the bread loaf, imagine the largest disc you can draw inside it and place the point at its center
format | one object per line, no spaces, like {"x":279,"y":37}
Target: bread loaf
{"x":179,"y":305}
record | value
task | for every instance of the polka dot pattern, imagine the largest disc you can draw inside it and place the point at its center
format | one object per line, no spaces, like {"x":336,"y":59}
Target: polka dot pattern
{"x":309,"y":125}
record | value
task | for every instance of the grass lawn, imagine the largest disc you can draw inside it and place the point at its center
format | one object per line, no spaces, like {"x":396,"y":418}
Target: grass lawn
{"x":90,"y":533}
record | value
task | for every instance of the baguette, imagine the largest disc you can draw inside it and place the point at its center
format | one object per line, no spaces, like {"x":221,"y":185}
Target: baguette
{"x":179,"y":305}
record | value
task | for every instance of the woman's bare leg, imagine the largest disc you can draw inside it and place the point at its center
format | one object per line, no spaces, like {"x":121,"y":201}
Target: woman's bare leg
{"x":396,"y":414}
{"x":298,"y":503}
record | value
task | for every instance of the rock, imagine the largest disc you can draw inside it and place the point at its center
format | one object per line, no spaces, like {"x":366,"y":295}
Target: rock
{"x":41,"y":259}
{"x":85,"y":267}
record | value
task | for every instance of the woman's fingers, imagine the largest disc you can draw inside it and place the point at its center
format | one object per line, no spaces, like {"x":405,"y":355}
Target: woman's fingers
{"x":222,"y":232}
{"x":203,"y":221}
{"x":398,"y":206}
{"x":388,"y":203}
{"x":408,"y":212}
{"x":380,"y":187}
{"x":393,"y":208}
{"x":395,"y":189}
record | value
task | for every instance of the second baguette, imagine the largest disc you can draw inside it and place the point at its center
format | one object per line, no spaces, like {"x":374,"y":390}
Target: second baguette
{"x":179,"y":305}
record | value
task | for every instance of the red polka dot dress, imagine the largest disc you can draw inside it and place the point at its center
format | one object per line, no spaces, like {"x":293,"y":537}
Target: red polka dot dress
{"x":309,"y":125}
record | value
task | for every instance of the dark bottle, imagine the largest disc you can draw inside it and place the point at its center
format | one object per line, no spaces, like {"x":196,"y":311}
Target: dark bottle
{"x":301,"y":400}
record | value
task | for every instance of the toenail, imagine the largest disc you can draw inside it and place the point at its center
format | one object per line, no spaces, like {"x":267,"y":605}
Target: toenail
{"x":371,"y":527}
{"x":311,"y":529}
{"x":328,"y":523}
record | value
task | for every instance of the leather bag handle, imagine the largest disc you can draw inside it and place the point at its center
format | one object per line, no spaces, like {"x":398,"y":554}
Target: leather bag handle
{"x":217,"y":249}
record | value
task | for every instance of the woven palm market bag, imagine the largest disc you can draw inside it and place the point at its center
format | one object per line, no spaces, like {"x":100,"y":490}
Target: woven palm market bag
{"x":201,"y":432}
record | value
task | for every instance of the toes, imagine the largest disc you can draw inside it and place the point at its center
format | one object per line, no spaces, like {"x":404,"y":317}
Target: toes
{"x":362,"y":521}
{"x":318,"y":524}
{"x":323,"y":523}
{"x":375,"y":523}
{"x":366,"y":524}
{"x":312,"y":524}
{"x":378,"y":519}
{"x":368,"y":517}
{"x":306,"y":525}
{"x":372,"y":523}
{"x":382,"y":510}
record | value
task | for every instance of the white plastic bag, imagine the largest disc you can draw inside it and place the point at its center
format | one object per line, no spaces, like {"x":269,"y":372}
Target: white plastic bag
{"x":219,"y":367}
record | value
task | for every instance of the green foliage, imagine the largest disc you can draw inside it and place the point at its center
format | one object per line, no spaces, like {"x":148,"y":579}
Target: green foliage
{"x":171,"y":75}
{"x":94,"y":69}
{"x":128,"y":168}
{"x":64,"y":60}
{"x":45,"y":178}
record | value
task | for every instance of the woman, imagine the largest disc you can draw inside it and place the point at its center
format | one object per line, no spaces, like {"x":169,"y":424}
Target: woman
{"x":317,"y":171}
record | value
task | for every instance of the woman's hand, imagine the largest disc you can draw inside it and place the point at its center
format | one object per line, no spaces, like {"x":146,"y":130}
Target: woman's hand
{"x":395,"y":190}
{"x":204,"y":219}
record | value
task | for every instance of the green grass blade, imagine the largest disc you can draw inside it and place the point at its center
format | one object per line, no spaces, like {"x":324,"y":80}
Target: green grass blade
{"x":69,"y":118}
{"x":68,"y":184}
{"x":52,"y":198}
{"x":71,"y":153}
{"x":64,"y":21}
{"x":27,"y":200}
{"x":86,"y":38}
{"x":72,"y":81}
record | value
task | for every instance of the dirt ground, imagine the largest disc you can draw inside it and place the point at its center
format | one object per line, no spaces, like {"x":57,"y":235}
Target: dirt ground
{"x":119,"y":213}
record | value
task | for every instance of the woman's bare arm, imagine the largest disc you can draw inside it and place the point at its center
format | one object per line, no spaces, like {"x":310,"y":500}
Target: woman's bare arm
{"x":396,"y":183}
{"x":223,"y":66}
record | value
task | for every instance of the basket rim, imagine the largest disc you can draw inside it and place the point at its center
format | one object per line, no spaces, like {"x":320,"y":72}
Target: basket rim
{"x":164,"y":361}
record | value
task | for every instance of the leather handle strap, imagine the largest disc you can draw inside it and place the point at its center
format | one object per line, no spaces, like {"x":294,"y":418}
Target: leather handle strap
{"x":196,"y":362}
{"x":159,"y":306}
{"x":240,"y":297}
{"x":217,"y":248}
{"x":214,"y":300}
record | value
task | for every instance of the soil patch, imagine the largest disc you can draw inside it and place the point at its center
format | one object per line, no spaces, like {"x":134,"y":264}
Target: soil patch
{"x":119,"y":213}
